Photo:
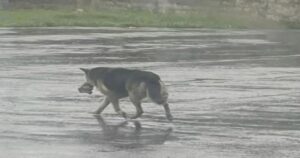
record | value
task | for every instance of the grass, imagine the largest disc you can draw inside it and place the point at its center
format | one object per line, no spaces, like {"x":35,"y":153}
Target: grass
{"x":198,"y":18}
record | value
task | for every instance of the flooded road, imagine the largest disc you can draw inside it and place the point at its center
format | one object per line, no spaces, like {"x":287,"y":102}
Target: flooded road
{"x":233,"y":93}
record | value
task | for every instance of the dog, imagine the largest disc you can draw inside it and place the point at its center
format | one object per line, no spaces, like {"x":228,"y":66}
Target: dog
{"x":117,"y":83}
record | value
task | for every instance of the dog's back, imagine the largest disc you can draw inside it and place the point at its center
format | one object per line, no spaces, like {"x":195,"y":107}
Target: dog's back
{"x":119,"y":80}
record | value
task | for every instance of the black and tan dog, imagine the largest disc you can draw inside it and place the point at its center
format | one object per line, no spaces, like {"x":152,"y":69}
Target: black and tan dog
{"x":117,"y":83}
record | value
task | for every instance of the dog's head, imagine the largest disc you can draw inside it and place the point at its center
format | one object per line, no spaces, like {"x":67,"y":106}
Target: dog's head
{"x":86,"y":87}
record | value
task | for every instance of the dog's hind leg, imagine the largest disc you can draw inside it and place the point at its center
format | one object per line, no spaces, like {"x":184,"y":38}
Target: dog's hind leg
{"x":168,"y":112}
{"x":117,"y":108}
{"x":139,"y":109}
{"x":104,"y":104}
{"x":136,"y":94}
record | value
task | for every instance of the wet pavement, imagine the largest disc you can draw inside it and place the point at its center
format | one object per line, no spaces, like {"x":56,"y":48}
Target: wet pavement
{"x":233,"y":93}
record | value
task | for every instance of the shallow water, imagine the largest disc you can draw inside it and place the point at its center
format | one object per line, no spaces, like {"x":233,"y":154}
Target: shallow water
{"x":233,"y":93}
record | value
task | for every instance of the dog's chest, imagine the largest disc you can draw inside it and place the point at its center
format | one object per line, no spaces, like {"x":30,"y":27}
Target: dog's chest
{"x":102,"y":88}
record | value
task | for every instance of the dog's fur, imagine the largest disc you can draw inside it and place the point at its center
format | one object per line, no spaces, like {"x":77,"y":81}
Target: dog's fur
{"x":117,"y":83}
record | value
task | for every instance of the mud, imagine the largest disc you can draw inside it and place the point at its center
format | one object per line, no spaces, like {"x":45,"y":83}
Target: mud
{"x":233,"y":93}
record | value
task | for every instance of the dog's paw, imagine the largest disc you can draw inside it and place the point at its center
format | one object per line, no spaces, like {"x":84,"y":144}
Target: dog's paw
{"x":123,"y":114}
{"x":170,"y":117}
{"x":135,"y":117}
{"x":95,"y":113}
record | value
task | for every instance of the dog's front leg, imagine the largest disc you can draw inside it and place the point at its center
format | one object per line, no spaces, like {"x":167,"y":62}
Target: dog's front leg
{"x":103,"y":106}
{"x":117,"y":108}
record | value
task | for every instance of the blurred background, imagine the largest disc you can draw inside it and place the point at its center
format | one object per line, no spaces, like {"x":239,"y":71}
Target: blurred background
{"x":251,"y":13}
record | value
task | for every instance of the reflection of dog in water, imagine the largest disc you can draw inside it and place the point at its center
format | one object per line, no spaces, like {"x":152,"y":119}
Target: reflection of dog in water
{"x":117,"y":83}
{"x":125,"y":136}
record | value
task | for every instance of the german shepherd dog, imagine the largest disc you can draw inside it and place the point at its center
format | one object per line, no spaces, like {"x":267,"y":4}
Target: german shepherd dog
{"x":117,"y":83}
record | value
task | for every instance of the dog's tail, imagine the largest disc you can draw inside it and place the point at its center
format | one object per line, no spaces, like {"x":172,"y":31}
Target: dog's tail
{"x":157,"y":91}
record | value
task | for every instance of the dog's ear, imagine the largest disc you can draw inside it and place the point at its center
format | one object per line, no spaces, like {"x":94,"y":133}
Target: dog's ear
{"x":84,"y":70}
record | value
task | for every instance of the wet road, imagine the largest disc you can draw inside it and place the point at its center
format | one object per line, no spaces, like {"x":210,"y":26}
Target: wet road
{"x":233,"y":93}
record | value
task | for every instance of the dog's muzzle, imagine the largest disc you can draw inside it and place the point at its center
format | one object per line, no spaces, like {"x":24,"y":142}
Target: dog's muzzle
{"x":86,"y":88}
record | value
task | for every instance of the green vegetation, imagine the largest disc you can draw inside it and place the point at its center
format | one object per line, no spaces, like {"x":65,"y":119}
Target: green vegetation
{"x":292,"y":25}
{"x":197,"y":18}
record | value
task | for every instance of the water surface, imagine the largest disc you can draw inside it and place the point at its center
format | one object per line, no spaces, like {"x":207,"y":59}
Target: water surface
{"x":233,"y":93}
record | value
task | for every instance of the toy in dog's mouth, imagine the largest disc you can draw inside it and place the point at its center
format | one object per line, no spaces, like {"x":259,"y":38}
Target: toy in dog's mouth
{"x":86,"y":88}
